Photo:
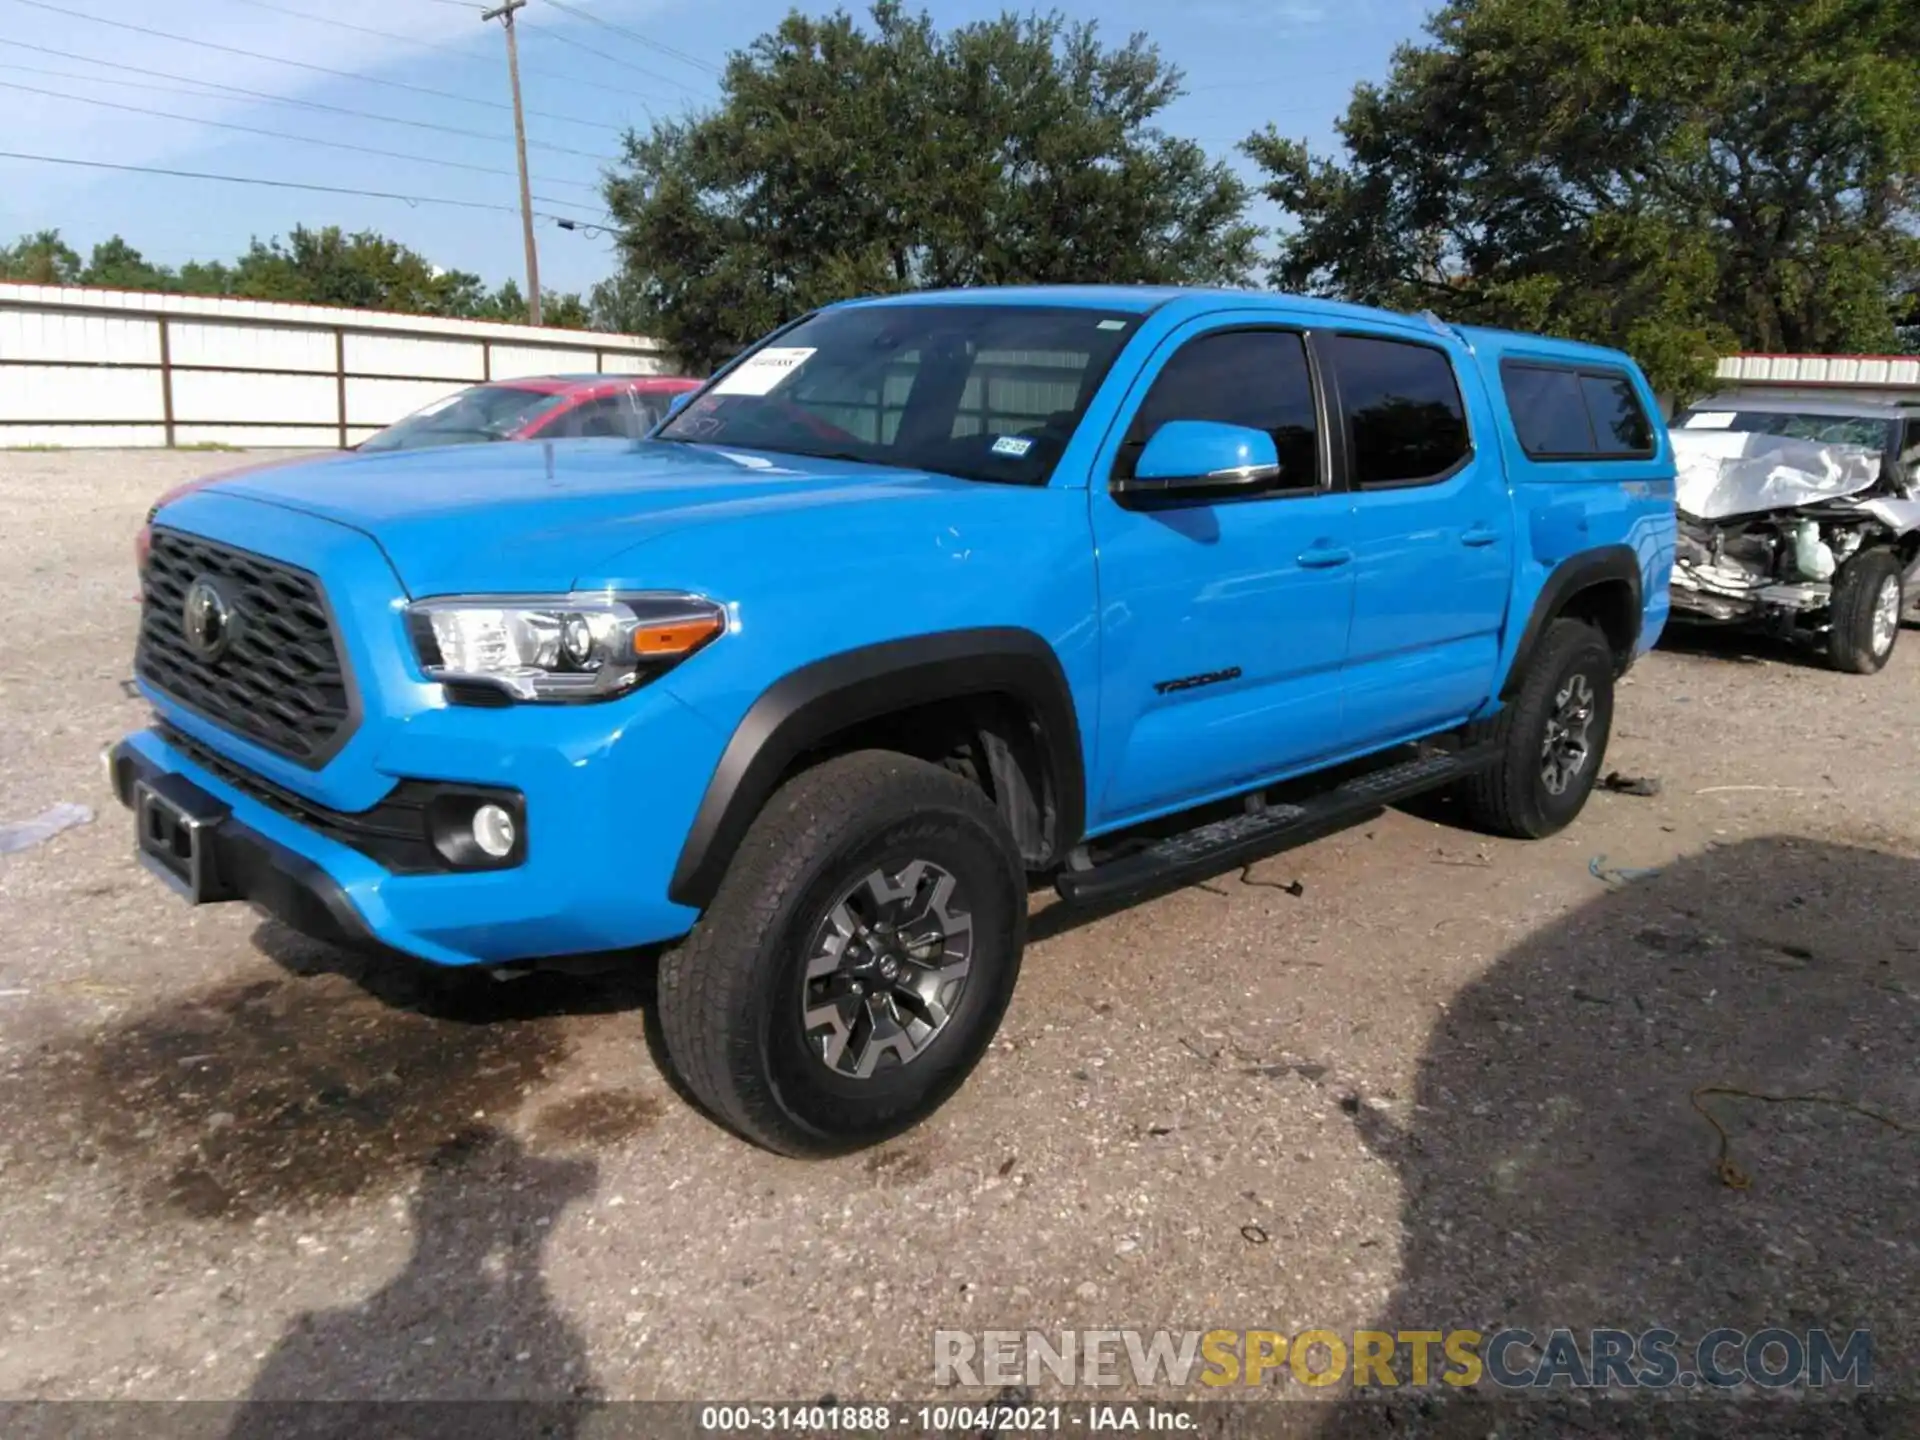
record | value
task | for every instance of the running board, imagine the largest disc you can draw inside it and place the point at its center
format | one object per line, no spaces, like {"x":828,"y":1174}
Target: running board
{"x":1223,"y":844}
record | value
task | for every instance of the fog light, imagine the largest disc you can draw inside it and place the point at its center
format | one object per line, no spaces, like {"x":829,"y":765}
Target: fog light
{"x":493,"y":831}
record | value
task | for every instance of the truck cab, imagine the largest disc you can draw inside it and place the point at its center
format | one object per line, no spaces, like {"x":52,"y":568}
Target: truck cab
{"x":920,"y":598}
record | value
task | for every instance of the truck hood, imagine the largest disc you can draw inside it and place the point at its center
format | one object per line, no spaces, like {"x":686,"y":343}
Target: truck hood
{"x":535,"y":517}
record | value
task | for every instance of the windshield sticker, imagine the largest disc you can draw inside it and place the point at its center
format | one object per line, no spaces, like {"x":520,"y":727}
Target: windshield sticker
{"x":756,"y":462}
{"x":1711,"y":420}
{"x":1112,"y":325}
{"x":760,"y":372}
{"x":1013,"y":445}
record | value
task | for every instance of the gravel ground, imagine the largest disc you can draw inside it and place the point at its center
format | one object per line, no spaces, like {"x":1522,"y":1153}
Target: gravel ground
{"x":1447,"y":1084}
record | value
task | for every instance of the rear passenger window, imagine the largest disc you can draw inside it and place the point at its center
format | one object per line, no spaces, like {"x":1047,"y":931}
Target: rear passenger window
{"x":1548,"y":411}
{"x":1619,"y":424}
{"x":1575,"y":414}
{"x":1406,"y":421}
{"x":1255,"y":378}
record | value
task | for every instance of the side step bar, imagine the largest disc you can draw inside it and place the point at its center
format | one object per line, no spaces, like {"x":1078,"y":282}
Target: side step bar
{"x":1223,"y":844}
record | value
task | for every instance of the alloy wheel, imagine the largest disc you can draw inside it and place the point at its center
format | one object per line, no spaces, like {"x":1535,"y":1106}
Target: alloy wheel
{"x":1568,"y":744}
{"x":886,"y":968}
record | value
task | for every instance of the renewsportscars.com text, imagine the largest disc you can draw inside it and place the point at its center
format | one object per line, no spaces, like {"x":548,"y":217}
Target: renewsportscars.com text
{"x":1515,"y":1359}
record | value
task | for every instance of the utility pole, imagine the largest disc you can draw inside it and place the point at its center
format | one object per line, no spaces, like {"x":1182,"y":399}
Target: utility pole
{"x":504,"y":14}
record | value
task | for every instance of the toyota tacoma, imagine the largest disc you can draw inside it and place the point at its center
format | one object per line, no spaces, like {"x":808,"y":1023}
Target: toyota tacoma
{"x":920,"y":600}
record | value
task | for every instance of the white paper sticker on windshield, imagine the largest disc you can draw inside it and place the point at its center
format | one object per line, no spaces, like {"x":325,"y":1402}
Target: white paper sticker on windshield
{"x":1013,"y":445}
{"x":760,"y":372}
{"x":1711,"y":420}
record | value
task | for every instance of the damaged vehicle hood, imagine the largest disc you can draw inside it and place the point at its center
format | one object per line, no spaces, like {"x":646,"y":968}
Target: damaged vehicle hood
{"x":1727,"y":473}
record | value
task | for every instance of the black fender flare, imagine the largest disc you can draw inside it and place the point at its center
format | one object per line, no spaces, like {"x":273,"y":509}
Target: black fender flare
{"x":804,"y":709}
{"x":1600,"y":565}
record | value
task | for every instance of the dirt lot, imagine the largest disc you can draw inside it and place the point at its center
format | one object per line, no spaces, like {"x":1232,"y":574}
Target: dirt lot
{"x":1447,"y":1084}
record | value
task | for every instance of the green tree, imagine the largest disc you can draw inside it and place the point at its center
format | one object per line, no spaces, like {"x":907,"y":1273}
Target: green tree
{"x":564,"y":310}
{"x":40,"y":259}
{"x":365,"y":270}
{"x":115,"y":262}
{"x":845,"y":159}
{"x":508,"y":304}
{"x":618,"y":305}
{"x":1678,"y":177}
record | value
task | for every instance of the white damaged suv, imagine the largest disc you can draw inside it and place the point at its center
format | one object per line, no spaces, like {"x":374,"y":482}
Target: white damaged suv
{"x":1799,"y":513}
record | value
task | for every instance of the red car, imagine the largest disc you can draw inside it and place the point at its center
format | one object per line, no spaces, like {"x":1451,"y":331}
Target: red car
{"x":540,"y":407}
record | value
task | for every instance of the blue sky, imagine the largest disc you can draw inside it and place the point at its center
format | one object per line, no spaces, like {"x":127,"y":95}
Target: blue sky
{"x":1289,"y":61}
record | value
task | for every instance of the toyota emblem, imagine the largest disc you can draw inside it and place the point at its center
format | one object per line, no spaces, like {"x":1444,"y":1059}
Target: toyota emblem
{"x":207,"y":620}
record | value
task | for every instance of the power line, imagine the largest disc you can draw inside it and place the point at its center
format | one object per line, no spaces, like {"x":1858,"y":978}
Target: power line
{"x":636,"y":37}
{"x":453,"y":51}
{"x":300,"y":139}
{"x":301,"y":64}
{"x":560,"y":220}
{"x":303,"y":104}
{"x":564,"y":39}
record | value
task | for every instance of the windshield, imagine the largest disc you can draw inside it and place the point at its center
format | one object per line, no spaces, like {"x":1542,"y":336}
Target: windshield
{"x":1875,"y":434}
{"x":486,"y":412}
{"x":985,"y":392}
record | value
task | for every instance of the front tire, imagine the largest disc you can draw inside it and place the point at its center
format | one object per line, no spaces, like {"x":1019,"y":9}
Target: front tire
{"x":1865,"y":615}
{"x":1552,"y":738}
{"x":856,"y":960}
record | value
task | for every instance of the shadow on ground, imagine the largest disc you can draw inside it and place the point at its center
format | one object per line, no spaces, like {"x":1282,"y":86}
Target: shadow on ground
{"x":468,"y":1319}
{"x":1740,"y":646}
{"x":348,"y":1075}
{"x":1556,"y":1173}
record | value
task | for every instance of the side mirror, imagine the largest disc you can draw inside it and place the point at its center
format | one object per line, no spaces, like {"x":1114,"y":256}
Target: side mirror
{"x":677,"y":403}
{"x":1201,"y":459}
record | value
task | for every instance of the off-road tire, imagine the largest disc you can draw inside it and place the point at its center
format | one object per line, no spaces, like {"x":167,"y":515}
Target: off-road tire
{"x":730,"y":995}
{"x":1851,"y":646}
{"x":1512,"y":798}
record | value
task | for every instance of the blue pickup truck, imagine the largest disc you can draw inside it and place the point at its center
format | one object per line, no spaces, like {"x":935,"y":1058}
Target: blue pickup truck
{"x":917,"y":601}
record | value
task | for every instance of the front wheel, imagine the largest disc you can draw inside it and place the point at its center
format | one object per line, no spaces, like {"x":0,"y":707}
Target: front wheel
{"x":1552,"y":737}
{"x":1865,"y":621}
{"x":856,"y":961}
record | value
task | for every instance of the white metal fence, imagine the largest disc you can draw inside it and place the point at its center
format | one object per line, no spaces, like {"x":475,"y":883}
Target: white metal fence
{"x":94,"y":367}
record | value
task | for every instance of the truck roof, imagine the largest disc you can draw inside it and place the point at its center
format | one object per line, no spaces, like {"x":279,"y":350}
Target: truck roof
{"x":1133,"y":299}
{"x":1488,"y":340}
{"x":1140,"y":299}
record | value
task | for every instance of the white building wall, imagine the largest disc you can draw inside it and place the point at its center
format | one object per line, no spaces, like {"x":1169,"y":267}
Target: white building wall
{"x":94,"y":367}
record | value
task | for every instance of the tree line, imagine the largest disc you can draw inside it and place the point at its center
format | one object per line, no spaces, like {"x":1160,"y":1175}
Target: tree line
{"x":1679,"y":178}
{"x":364,"y":271}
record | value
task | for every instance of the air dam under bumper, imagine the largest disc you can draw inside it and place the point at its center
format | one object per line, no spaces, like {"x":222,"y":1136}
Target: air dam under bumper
{"x":589,"y":883}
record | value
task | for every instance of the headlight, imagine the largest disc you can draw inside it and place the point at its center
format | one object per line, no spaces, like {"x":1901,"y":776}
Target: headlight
{"x":563,"y":647}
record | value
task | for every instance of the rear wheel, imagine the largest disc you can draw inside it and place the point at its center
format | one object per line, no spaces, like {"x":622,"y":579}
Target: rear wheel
{"x":1552,"y":737}
{"x":856,"y":960}
{"x":1865,"y":620}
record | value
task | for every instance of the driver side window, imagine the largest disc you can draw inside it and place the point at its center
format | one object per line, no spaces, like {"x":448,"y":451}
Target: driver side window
{"x":1256,"y":378}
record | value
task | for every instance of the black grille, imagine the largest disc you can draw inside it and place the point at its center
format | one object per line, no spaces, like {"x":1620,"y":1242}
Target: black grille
{"x":280,"y":681}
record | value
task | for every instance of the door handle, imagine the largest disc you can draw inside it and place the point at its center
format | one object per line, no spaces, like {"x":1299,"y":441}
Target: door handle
{"x":1480,"y":535}
{"x":1323,"y":557}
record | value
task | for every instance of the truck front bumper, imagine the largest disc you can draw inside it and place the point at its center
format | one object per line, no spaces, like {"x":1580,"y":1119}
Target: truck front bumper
{"x":600,"y":841}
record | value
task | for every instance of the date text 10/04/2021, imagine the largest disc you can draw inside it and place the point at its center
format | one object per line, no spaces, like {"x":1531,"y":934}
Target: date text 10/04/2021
{"x":957,"y":1419}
